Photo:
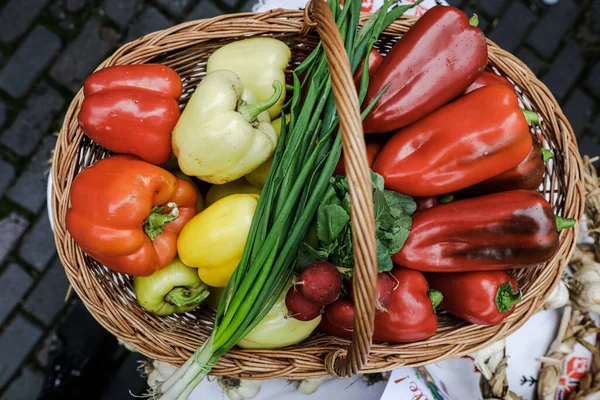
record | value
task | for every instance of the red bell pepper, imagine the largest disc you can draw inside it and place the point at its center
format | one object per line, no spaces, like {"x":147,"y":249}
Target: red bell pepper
{"x":127,"y":214}
{"x":132,"y":109}
{"x":435,"y":61}
{"x":410,"y":315}
{"x":372,"y":151}
{"x":375,"y":60}
{"x":499,"y":231}
{"x":480,"y":297}
{"x":528,"y":175}
{"x":488,"y":78}
{"x":423,"y":203}
{"x":476,"y":137}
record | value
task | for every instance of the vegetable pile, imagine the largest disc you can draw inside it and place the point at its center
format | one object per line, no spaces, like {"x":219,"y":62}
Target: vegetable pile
{"x":243,"y":199}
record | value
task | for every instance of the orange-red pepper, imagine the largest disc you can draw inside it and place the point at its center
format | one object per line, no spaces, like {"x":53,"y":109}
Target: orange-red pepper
{"x":488,"y":78}
{"x":437,"y":60}
{"x":480,"y":297}
{"x":127,"y":214}
{"x":476,"y":137}
{"x":132,"y":109}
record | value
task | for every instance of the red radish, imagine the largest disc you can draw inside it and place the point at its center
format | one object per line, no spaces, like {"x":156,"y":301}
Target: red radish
{"x":300,"y":307}
{"x":385,"y":288}
{"x":340,"y":313}
{"x":320,"y":283}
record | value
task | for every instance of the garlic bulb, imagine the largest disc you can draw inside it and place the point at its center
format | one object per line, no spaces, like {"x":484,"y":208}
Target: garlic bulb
{"x":309,"y":386}
{"x":584,"y":287}
{"x":559,"y":297}
{"x":239,"y":389}
{"x":158,"y":373}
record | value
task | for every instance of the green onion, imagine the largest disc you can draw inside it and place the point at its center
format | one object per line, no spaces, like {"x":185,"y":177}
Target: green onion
{"x":303,"y":164}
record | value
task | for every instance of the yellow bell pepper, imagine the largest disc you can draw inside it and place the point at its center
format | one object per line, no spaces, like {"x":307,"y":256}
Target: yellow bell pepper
{"x":276,"y":330}
{"x":223,"y":133}
{"x":258,"y":62}
{"x":213,"y":241}
{"x":258,"y":177}
{"x":217,"y":192}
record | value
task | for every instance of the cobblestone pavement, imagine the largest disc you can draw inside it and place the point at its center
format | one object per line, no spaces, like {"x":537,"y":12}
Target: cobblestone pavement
{"x":48,"y":47}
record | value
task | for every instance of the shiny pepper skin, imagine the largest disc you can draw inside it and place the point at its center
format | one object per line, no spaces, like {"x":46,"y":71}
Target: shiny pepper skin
{"x":499,"y":231}
{"x":480,"y":297}
{"x":437,"y":60}
{"x":132,"y":109}
{"x":474,"y":138}
{"x":111,"y":202}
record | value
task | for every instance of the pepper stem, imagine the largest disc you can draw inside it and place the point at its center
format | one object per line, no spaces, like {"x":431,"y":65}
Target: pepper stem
{"x":158,"y":218}
{"x":184,"y":297}
{"x":474,"y":20}
{"x":547,"y":154}
{"x":564,"y":223}
{"x":506,"y":297}
{"x":446,"y":199}
{"x":531,"y":117}
{"x":436,"y":298}
{"x":251,"y":111}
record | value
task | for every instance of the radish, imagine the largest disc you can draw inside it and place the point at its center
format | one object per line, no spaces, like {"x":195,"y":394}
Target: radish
{"x":320,"y":283}
{"x":385,"y":288}
{"x":340,"y":313}
{"x":299,"y":307}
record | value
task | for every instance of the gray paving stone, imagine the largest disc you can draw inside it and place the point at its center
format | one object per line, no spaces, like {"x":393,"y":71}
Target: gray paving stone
{"x":30,"y":190}
{"x":596,"y":126}
{"x":7,"y":173}
{"x":77,"y":5}
{"x":83,"y":55}
{"x":150,"y":20}
{"x":16,"y":17}
{"x":11,"y":229}
{"x":536,"y":64}
{"x":204,"y":9}
{"x":48,"y":297}
{"x":14,"y":283}
{"x":491,"y":7}
{"x":565,"y":71}
{"x":32,"y":57}
{"x":175,"y":7}
{"x":33,"y":121}
{"x":589,"y":145}
{"x":121,"y":11}
{"x":26,"y":387}
{"x":513,"y":26}
{"x":578,"y":110}
{"x":593,"y":80}
{"x":483,"y":22}
{"x":38,"y":246}
{"x":596,"y":11}
{"x":16,"y":342}
{"x":553,"y":26}
{"x":2,"y":112}
{"x":247,"y":6}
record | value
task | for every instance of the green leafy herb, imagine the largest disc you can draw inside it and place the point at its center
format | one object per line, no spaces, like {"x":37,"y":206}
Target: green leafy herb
{"x":393,"y":220}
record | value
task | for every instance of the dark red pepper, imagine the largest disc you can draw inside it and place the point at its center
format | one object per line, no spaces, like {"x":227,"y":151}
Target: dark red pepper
{"x":435,"y":61}
{"x":499,"y":231}
{"x":410,"y":315}
{"x":528,"y":175}
{"x":132,"y":109}
{"x":476,"y":137}
{"x":480,"y":297}
{"x":423,"y":203}
{"x":488,"y":78}
{"x":372,"y":150}
{"x":375,"y":60}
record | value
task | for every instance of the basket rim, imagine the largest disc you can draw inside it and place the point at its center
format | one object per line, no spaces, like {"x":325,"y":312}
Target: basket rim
{"x":291,"y":23}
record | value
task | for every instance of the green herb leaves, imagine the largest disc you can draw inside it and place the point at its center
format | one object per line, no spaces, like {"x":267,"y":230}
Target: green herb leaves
{"x":393,"y":220}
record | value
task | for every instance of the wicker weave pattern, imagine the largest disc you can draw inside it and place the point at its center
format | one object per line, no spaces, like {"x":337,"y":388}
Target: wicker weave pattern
{"x":186,"y":47}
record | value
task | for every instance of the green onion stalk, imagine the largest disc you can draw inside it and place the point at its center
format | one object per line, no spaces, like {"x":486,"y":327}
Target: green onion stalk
{"x":307,"y":153}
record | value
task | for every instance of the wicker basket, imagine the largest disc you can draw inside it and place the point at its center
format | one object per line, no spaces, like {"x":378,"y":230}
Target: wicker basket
{"x":186,"y":47}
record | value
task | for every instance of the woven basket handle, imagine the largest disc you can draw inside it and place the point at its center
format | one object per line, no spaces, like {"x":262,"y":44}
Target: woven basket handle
{"x":317,"y":14}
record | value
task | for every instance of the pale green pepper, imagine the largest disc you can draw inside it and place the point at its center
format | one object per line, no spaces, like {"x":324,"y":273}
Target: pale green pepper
{"x":277,"y":329}
{"x":258,"y":62}
{"x":223,"y":133}
{"x":173,"y":289}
